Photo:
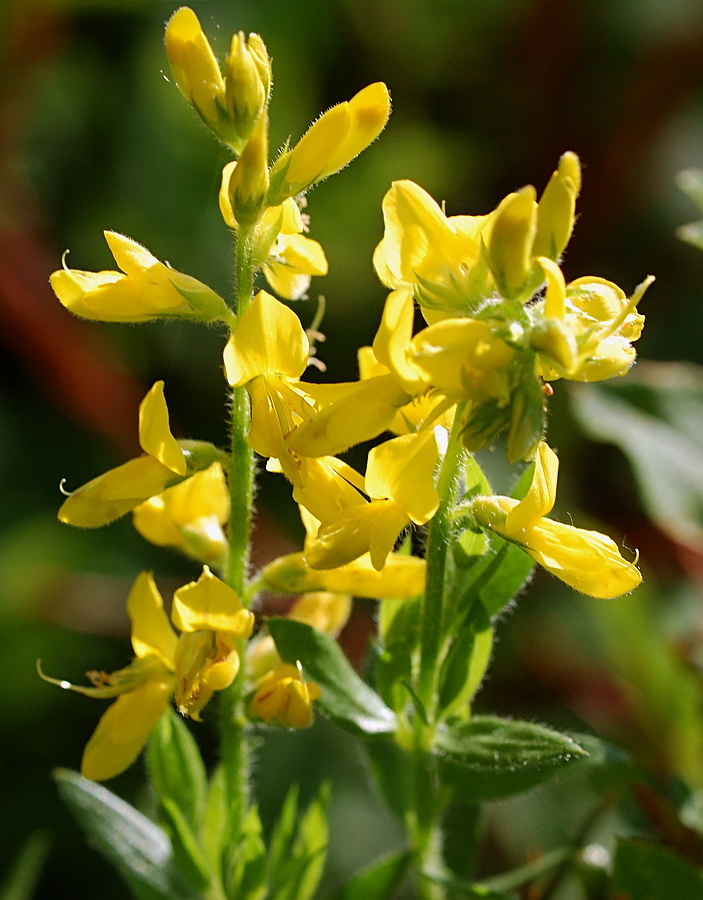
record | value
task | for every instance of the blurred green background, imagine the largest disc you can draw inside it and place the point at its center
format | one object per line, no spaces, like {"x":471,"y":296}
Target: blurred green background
{"x":486,"y":96}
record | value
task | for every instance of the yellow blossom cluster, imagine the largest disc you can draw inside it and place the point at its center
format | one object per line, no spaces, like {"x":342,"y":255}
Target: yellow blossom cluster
{"x":500,"y":323}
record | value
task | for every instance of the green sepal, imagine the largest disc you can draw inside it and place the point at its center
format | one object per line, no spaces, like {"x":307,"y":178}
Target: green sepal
{"x":490,"y":757}
{"x":207,"y":306}
{"x":186,"y":849}
{"x":299,"y":876}
{"x":246,"y":863}
{"x":528,"y":412}
{"x":465,"y":663}
{"x":346,"y":699}
{"x":643,"y":870}
{"x":378,"y":881}
{"x":177,"y":769}
{"x":138,"y":848}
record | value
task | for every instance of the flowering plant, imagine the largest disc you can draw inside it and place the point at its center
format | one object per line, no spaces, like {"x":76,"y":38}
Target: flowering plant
{"x":421,"y":530}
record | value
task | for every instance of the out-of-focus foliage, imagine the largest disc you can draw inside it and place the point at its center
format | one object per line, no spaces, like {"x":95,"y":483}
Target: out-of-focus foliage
{"x":486,"y":98}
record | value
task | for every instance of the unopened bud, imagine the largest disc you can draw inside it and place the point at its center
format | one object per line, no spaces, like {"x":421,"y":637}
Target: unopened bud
{"x":334,"y":140}
{"x":247,"y":85}
{"x":194,"y":67}
{"x":249,"y":181}
{"x":510,"y":242}
{"x":555,"y":211}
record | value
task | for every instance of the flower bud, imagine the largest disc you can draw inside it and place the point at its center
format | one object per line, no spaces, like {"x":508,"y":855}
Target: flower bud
{"x":194,"y":67}
{"x":249,"y":180}
{"x":555,"y":211}
{"x":331,"y":142}
{"x":510,"y":242}
{"x":247,"y":84}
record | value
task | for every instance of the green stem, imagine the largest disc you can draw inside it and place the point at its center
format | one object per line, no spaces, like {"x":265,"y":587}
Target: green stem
{"x":438,"y":540}
{"x":234,"y":748}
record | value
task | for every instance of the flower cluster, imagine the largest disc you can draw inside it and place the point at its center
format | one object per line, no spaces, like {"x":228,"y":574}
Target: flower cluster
{"x":501,"y":322}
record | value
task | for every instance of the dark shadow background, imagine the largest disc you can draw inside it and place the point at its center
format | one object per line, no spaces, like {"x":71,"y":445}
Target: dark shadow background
{"x":94,"y":136}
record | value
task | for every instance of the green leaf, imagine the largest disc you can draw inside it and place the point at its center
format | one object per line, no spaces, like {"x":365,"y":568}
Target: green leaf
{"x":400,"y":620}
{"x":347,"y":700}
{"x":216,"y":821}
{"x":189,"y":856}
{"x":655,"y":417}
{"x":495,"y":578}
{"x":247,"y":861}
{"x":647,"y":871}
{"x":300,"y":876}
{"x":283,"y":836}
{"x":138,"y":848}
{"x":465,"y":664}
{"x":393,"y":673}
{"x":491,"y":757}
{"x":27,"y":869}
{"x":177,"y":769}
{"x":378,"y":881}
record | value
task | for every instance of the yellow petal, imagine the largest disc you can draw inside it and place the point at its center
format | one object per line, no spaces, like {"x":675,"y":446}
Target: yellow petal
{"x":587,"y":561}
{"x":392,"y":341}
{"x":101,"y":296}
{"x":125,"y":728}
{"x":370,"y":528}
{"x":402,"y":469}
{"x":269,"y":339}
{"x":402,"y":577}
{"x":151,"y":630}
{"x":541,"y":495}
{"x":210,"y":605}
{"x":155,"y":435}
{"x":116,"y":492}
{"x":193,"y":63}
{"x":366,"y":409}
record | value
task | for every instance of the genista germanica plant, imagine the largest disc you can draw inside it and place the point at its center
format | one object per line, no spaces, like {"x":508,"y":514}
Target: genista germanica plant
{"x":501,"y":326}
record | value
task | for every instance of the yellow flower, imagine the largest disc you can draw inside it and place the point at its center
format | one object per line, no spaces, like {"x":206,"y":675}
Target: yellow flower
{"x":331,"y":142}
{"x":189,"y":516}
{"x":287,"y":258}
{"x":201,"y":660}
{"x":424,"y":251}
{"x":401,"y":577}
{"x":588,"y":327}
{"x":284,"y":696}
{"x":166,"y":462}
{"x":587,"y":561}
{"x":145,"y":289}
{"x":400,"y":482}
{"x":267,"y":353}
{"x":453,"y":264}
{"x":280,"y":693}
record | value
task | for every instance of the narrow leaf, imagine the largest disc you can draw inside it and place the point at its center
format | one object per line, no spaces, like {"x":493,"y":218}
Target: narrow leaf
{"x":138,"y":848}
{"x":491,"y":757}
{"x":378,"y":881}
{"x":348,"y":701}
{"x":177,"y":769}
